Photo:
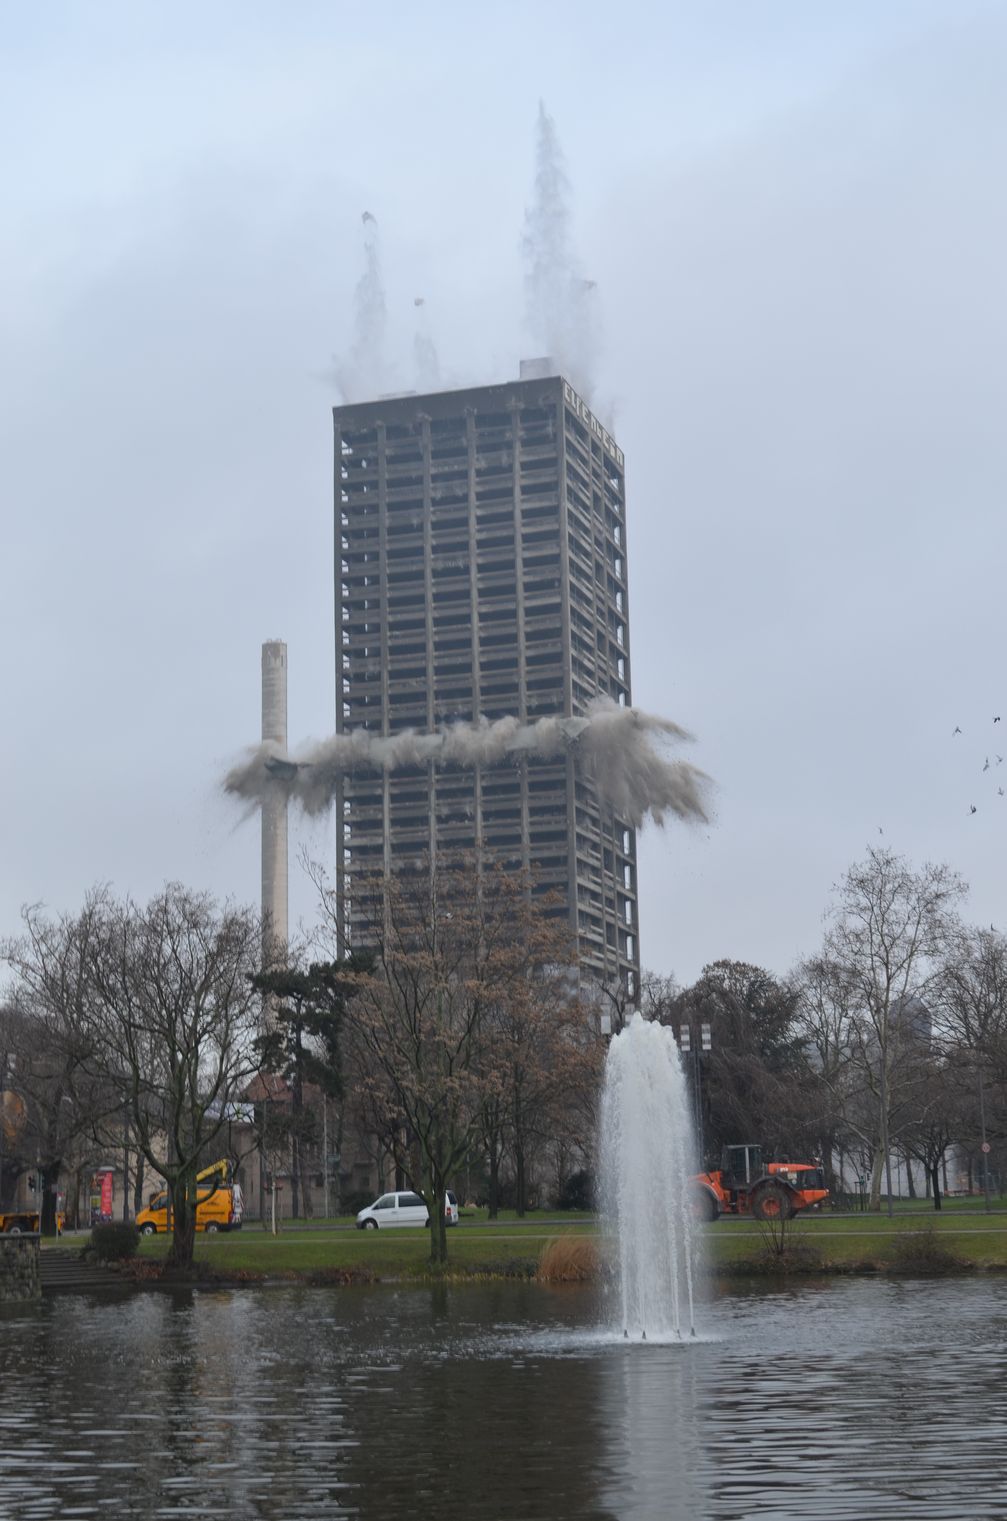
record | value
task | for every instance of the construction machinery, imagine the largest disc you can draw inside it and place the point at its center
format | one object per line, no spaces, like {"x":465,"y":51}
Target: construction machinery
{"x":24,"y":1222}
{"x":219,"y":1205}
{"x":746,"y":1185}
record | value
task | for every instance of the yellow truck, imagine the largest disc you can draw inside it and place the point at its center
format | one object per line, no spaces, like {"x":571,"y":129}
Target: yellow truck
{"x":219,"y":1205}
{"x":23,"y":1222}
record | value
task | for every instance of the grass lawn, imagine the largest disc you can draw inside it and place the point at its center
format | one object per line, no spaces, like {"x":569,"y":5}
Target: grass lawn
{"x":851,"y":1240}
{"x":391,"y":1253}
{"x":844,"y":1242}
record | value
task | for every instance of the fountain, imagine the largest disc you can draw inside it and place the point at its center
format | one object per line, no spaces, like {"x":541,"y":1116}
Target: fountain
{"x":646,"y":1160}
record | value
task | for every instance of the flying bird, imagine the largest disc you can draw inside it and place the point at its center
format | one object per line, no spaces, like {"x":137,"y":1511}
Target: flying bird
{"x":973,"y":808}
{"x":987,"y":765}
{"x":1000,"y":792}
{"x":1000,"y":760}
{"x":997,"y":719}
{"x":418,"y":300}
{"x":369,"y":217}
{"x":955,"y":731}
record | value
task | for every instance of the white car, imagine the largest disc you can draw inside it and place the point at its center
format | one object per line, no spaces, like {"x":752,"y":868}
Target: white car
{"x":403,"y":1209}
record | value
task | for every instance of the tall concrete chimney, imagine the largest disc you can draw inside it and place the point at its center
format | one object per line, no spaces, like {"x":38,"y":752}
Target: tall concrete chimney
{"x":274,"y":808}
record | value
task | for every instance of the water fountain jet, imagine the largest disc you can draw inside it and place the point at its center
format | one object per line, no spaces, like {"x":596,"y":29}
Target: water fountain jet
{"x":647,"y":1160}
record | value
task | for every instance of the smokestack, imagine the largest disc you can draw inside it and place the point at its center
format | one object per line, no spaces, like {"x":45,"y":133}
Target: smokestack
{"x":274,"y":804}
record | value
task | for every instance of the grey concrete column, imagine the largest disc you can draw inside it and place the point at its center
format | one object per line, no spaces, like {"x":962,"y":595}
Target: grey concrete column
{"x":274,"y":808}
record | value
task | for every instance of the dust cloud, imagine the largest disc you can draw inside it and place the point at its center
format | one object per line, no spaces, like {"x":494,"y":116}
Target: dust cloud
{"x":621,"y":750}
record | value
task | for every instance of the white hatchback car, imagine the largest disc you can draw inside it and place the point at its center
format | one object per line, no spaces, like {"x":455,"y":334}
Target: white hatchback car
{"x":403,"y":1209}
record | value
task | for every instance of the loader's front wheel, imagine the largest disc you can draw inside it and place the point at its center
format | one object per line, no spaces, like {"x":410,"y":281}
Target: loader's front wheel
{"x":772,"y":1202}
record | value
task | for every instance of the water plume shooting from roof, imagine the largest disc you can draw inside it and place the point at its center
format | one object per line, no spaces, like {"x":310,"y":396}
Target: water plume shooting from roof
{"x":560,"y":301}
{"x":621,"y":750}
{"x":427,"y":364}
{"x":362,"y":374}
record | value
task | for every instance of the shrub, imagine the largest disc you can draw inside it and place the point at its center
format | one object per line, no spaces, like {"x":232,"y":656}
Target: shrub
{"x":577,"y":1192}
{"x":922,"y":1251}
{"x":570,"y":1259}
{"x":114,"y":1241}
{"x":783,"y":1248}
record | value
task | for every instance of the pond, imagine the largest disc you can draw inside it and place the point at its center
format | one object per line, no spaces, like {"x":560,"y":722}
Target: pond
{"x":851,"y":1399}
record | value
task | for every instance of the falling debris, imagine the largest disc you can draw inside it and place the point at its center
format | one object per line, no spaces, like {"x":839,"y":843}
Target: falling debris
{"x":362,"y":374}
{"x":616,"y":747}
{"x":560,"y":301}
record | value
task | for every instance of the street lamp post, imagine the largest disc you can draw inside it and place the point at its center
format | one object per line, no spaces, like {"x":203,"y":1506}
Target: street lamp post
{"x":3,"y":1087}
{"x":325,"y":1150}
{"x":687,"y":1046}
{"x":125,"y":1160}
{"x":985,"y":1143}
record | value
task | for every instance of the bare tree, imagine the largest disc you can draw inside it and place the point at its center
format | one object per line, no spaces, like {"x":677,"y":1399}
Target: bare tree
{"x":934,"y":1119}
{"x":538,"y":1048}
{"x":49,"y":1042}
{"x":890,"y":926}
{"x":970,"y":1003}
{"x":755,"y":1081}
{"x":970,"y":997}
{"x":174,"y":1024}
{"x":457,"y":951}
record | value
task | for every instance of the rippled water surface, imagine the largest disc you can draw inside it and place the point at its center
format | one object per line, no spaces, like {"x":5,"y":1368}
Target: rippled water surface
{"x":854,"y":1399}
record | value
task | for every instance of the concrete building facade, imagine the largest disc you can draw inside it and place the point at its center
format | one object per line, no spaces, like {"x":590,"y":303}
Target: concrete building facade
{"x":480,"y":566}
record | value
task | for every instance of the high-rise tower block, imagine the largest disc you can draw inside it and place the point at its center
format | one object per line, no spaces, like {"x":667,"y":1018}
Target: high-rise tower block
{"x":481,"y":571}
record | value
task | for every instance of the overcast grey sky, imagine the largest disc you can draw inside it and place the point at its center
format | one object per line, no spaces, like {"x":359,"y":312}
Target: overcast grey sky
{"x":796,"y":219}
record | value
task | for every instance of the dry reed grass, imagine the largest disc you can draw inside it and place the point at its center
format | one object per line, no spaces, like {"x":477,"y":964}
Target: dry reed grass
{"x":570,"y":1259}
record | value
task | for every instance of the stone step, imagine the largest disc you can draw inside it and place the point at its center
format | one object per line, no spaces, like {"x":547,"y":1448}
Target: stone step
{"x":61,"y":1269}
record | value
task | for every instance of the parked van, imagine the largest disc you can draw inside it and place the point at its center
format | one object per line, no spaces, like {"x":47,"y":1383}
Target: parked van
{"x":219,"y":1205}
{"x":403,"y":1209}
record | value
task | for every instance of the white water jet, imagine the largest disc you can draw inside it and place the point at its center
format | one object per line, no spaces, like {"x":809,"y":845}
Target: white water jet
{"x":647,"y":1151}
